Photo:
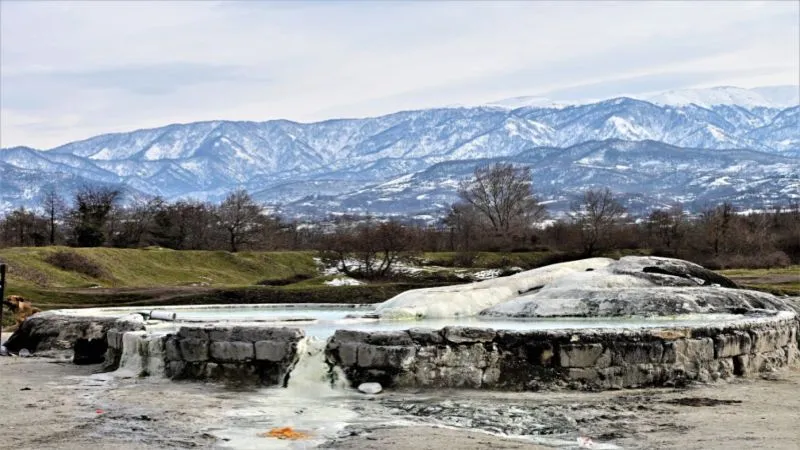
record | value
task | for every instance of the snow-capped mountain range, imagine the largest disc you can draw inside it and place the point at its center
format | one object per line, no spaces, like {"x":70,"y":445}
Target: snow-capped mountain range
{"x":698,"y":147}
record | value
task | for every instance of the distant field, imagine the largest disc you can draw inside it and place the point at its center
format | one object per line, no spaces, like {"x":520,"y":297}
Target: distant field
{"x":779,"y":281}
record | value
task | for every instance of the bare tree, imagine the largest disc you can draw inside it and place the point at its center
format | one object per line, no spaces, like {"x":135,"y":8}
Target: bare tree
{"x":23,"y":227}
{"x":463,"y":225}
{"x":137,"y":220}
{"x":367,"y":250}
{"x":54,"y":207}
{"x":717,"y":223}
{"x":93,"y":206}
{"x":667,"y":227}
{"x":596,"y":217}
{"x":183,"y":225}
{"x":503,"y":194}
{"x":238,"y":215}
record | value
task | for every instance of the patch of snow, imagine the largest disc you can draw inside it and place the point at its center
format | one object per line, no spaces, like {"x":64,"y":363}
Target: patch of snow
{"x":344,"y":281}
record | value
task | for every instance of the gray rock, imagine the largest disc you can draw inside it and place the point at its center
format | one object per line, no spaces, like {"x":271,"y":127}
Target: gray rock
{"x":273,"y":350}
{"x":461,"y":335}
{"x":194,"y":350}
{"x":370,"y":388}
{"x":231,"y":351}
{"x":52,"y":331}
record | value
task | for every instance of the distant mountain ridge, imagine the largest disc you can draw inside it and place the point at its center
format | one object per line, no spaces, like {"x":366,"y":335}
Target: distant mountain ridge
{"x":349,"y":165}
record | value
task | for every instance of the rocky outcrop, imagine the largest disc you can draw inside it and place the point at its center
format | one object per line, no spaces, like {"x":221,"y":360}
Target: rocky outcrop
{"x":638,"y":286}
{"x":85,"y":336}
{"x":457,"y":357}
{"x":638,"y":301}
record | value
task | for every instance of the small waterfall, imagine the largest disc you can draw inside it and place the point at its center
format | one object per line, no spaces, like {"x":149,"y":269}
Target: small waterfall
{"x":142,"y":355}
{"x":311,"y":374}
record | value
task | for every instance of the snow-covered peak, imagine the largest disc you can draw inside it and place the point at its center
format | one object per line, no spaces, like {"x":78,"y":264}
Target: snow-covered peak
{"x":770,"y":96}
{"x":527,"y":101}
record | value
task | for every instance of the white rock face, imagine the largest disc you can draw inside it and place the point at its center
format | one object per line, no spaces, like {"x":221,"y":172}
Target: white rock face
{"x":645,"y":286}
{"x":633,"y":285}
{"x":370,"y":388}
{"x":470,"y":299}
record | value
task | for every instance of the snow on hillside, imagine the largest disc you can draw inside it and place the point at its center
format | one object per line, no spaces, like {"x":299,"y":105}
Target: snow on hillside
{"x":771,"y":97}
{"x":411,"y":161}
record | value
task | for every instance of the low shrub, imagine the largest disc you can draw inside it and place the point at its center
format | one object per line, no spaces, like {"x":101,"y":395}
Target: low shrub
{"x":75,"y":262}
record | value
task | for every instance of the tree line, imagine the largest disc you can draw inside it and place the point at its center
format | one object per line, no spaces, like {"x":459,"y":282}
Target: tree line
{"x":497,"y":210}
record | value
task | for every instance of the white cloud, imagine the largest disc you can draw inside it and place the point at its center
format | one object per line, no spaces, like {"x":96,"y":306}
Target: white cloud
{"x":71,"y":70}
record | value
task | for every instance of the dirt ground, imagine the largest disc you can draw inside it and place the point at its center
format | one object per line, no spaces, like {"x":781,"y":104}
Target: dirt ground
{"x":51,"y":404}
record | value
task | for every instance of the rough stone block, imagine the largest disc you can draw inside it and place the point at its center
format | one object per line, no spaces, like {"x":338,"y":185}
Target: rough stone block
{"x":733,"y":344}
{"x":636,"y":353}
{"x":425,"y":336}
{"x":582,"y":375}
{"x":765,"y":362}
{"x":172,"y":350}
{"x":770,"y":340}
{"x":340,"y":336}
{"x":175,"y":369}
{"x":193,"y":333}
{"x":460,"y":377}
{"x":463,"y":335}
{"x":273,"y":350}
{"x":251,"y":334}
{"x":722,"y":368}
{"x":380,"y":356}
{"x":491,"y":377}
{"x":584,"y":355}
{"x":220,"y":334}
{"x":231,"y":351}
{"x":194,"y":350}
{"x":474,"y":355}
{"x":389,"y":338}
{"x":689,"y":351}
{"x":347,"y":353}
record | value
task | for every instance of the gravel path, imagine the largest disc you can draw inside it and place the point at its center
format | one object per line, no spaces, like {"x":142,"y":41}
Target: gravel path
{"x":51,"y":403}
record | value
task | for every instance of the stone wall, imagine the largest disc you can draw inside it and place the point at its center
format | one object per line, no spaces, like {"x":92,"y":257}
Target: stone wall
{"x":245,"y":354}
{"x":84,"y":335}
{"x":587,"y":359}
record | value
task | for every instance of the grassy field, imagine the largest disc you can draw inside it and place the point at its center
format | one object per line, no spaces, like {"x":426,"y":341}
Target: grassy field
{"x":779,"y":281}
{"x":153,"y":267}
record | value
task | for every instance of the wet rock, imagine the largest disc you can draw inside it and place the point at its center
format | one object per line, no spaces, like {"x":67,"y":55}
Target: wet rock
{"x":52,"y":331}
{"x":172,"y":349}
{"x":24,"y":353}
{"x":370,"y":388}
{"x":194,"y":350}
{"x":733,"y":344}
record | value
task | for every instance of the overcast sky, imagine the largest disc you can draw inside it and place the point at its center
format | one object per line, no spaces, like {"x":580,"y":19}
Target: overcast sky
{"x":72,"y":70}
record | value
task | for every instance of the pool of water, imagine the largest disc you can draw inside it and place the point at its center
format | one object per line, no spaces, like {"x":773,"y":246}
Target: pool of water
{"x":323,"y":320}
